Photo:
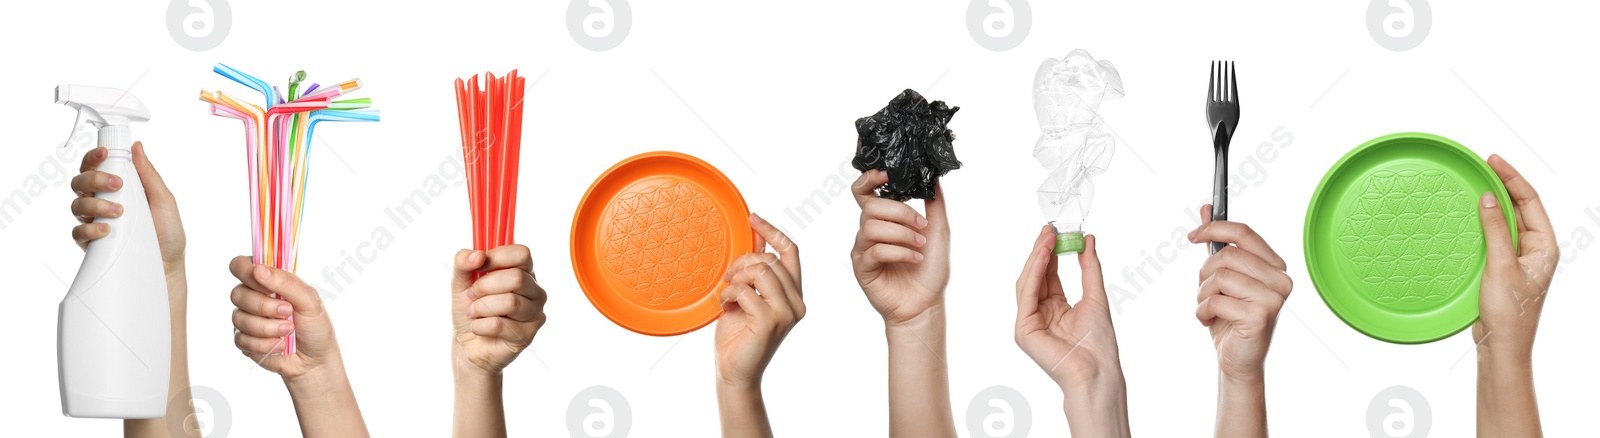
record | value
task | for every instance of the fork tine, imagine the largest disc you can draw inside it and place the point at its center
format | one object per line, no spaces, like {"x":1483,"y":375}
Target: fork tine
{"x":1233,"y":83}
{"x":1211,"y":85}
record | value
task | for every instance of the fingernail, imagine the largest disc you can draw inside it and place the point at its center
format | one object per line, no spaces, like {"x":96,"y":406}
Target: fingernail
{"x":921,"y":240}
{"x":470,"y":313}
{"x":283,"y":329}
{"x":284,"y":310}
{"x":103,"y":227}
{"x":116,"y":209}
{"x":262,"y":273}
{"x":757,"y":218}
{"x":1192,"y":233}
{"x":116,"y":182}
{"x":1489,"y":201}
{"x":922,"y":222}
{"x":917,"y":256}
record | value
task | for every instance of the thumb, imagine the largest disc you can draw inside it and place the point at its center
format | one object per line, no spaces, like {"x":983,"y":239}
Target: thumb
{"x":935,"y":207}
{"x":155,"y":189}
{"x":467,"y":264}
{"x":1094,"y":283}
{"x":1496,"y":234}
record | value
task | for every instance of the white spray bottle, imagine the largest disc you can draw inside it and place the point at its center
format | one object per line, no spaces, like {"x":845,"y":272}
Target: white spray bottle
{"x":114,"y":336}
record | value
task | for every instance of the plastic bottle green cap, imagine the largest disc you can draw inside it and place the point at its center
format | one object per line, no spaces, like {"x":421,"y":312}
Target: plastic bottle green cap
{"x":1069,"y":243}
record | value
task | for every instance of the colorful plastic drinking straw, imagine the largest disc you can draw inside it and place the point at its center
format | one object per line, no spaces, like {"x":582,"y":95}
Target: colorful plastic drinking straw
{"x":277,"y":147}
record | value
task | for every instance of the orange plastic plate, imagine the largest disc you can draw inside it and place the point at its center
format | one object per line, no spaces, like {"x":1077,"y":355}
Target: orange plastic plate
{"x":652,"y":238}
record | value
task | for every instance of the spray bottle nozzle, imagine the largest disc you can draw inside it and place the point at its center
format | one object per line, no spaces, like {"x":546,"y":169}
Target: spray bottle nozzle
{"x":102,"y":107}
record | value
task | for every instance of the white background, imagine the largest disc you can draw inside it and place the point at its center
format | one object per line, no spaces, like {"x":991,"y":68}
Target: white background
{"x":781,"y":85}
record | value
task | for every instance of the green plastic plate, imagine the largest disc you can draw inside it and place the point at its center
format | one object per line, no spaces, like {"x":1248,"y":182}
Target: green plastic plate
{"x":1393,"y":242}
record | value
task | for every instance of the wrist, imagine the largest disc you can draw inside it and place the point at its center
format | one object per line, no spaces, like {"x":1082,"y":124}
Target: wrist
{"x":928,"y":320}
{"x":1098,"y":408}
{"x":1501,"y":356}
{"x":738,"y":391}
{"x":318,"y":382}
{"x":1233,"y":390}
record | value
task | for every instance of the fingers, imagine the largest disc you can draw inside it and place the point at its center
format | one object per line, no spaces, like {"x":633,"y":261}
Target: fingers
{"x":1529,"y":206}
{"x":1234,"y":285}
{"x":742,"y":297}
{"x":88,"y":208}
{"x":260,"y":327}
{"x":1094,"y":283}
{"x":258,"y":347}
{"x":242,"y":268}
{"x":892,"y":211}
{"x":85,"y":233}
{"x":91,"y":181}
{"x":1030,"y":285}
{"x":866,"y":186}
{"x":1223,"y":307}
{"x":874,"y":257}
{"x":1496,"y":233}
{"x":1238,"y":234}
{"x":155,"y":188}
{"x":92,"y":159}
{"x":513,"y":306}
{"x":877,"y":231}
{"x":256,"y":303}
{"x":1238,"y":260}
{"x":303,"y":298}
{"x":757,"y":270}
{"x":502,"y":328}
{"x":502,"y":282}
{"x":788,"y":251}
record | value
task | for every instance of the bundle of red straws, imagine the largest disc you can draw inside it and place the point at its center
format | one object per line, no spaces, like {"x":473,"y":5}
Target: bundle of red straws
{"x":491,"y":147}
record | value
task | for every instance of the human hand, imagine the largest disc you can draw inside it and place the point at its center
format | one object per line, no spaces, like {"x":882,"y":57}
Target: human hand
{"x":761,"y":303}
{"x":1242,"y":288}
{"x":497,"y":315}
{"x":1075,"y":345}
{"x":163,"y":207}
{"x":901,"y":259}
{"x":260,"y":322}
{"x":1517,"y":275}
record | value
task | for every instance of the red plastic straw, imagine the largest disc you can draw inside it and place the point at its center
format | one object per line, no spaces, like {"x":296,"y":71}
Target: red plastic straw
{"x":491,"y":147}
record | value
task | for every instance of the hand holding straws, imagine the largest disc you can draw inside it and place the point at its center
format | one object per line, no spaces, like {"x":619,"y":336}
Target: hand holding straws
{"x":491,"y":147}
{"x":278,"y":152}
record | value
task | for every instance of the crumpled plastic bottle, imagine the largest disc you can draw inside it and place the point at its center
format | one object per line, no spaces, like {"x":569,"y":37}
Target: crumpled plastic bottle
{"x":1075,"y":144}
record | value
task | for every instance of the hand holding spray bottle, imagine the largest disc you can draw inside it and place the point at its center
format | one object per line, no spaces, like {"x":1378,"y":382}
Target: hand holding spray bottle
{"x":1075,"y":144}
{"x":114,"y":335}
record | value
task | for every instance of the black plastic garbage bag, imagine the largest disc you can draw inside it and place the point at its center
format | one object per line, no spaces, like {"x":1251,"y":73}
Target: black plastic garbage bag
{"x":908,"y":139}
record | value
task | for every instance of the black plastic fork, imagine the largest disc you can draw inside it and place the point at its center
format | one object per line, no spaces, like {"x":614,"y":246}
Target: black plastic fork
{"x":1222,"y":114}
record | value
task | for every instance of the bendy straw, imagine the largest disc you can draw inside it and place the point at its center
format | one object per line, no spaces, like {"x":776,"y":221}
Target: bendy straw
{"x":278,"y":155}
{"x":491,"y":146}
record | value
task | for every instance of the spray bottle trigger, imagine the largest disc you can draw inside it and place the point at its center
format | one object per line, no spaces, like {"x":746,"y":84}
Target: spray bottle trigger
{"x":83,"y":117}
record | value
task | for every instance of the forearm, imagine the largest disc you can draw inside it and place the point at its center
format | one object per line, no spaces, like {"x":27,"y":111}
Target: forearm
{"x":325,"y":404}
{"x":180,"y":411}
{"x":1241,"y":406}
{"x":1506,"y":402}
{"x":1098,"y":408}
{"x":919,"y":379}
{"x":479,"y":406}
{"x":743,"y":411}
